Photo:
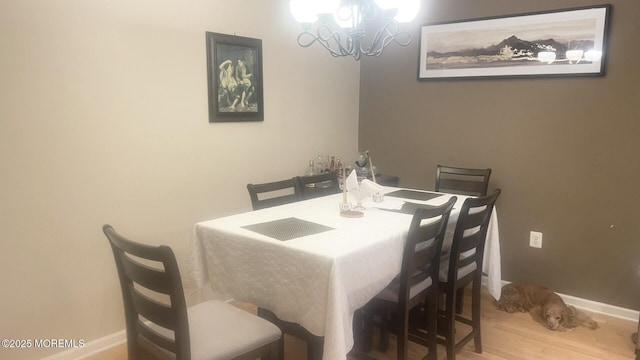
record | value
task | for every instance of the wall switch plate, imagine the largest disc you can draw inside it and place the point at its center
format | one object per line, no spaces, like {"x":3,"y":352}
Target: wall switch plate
{"x":535,"y":239}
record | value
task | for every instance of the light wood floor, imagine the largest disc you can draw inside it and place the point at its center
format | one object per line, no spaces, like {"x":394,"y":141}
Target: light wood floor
{"x":504,"y":336}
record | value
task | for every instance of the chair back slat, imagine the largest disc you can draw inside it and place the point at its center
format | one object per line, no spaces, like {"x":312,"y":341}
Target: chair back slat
{"x":462,"y":180}
{"x":465,"y":186}
{"x":424,"y":250}
{"x":154,"y":311}
{"x":147,"y":276}
{"x":470,"y":242}
{"x":476,"y":218}
{"x":275,"y":201}
{"x":314,"y":186}
{"x":160,"y":340}
{"x":274,"y":193}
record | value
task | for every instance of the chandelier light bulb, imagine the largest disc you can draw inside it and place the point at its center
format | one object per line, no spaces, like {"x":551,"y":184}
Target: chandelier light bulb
{"x":407,"y":10}
{"x":303,"y":11}
{"x":347,"y":16}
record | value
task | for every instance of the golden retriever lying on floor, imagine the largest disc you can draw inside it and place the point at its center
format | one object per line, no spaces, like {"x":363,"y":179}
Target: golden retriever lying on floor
{"x":544,"y":305}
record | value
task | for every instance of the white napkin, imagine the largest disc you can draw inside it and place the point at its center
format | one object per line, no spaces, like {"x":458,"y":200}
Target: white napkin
{"x":369,"y":187}
{"x":351,"y":183}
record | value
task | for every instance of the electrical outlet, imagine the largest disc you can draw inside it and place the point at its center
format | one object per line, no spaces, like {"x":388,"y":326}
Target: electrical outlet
{"x":535,"y":239}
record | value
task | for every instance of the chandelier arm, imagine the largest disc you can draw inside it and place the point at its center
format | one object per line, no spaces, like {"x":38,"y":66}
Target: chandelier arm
{"x":342,"y":49}
{"x":325,"y":41}
{"x":392,"y":29}
{"x":390,"y":33}
{"x":374,"y":48}
{"x":392,"y":38}
{"x":337,"y":39}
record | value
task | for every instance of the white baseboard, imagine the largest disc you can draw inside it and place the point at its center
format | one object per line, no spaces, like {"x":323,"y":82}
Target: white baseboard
{"x":91,"y":348}
{"x":593,"y":306}
{"x":600,"y":308}
{"x":113,"y":340}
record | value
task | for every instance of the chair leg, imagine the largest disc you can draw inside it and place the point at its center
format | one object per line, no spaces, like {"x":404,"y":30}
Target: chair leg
{"x":460,"y":301}
{"x":276,"y":351}
{"x":315,"y":348}
{"x":363,"y":330}
{"x":367,"y":332}
{"x":450,"y":326}
{"x":402,"y":336}
{"x":475,"y":316}
{"x":280,"y":353}
{"x":432,"y":326}
{"x":383,"y":346}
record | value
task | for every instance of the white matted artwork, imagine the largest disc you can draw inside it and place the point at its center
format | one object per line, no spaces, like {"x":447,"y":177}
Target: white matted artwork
{"x":566,"y":42}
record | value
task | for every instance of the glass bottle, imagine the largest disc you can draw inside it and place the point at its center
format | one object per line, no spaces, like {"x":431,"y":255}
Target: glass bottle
{"x":310,"y":169}
{"x":319,"y":165}
{"x":326,"y":164}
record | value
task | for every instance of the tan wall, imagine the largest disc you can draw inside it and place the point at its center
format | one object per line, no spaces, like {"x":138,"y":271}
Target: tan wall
{"x":563,"y":150}
{"x":103,"y":119}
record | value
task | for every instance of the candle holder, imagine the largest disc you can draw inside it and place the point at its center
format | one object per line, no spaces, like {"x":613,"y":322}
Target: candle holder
{"x":378,"y":197}
{"x":359,"y":195}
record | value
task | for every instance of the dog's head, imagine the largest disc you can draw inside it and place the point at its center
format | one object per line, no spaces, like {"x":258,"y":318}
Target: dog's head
{"x":555,"y":316}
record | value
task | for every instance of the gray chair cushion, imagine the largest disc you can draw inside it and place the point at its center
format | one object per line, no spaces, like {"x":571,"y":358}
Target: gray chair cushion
{"x":220,"y":331}
{"x":390,"y":293}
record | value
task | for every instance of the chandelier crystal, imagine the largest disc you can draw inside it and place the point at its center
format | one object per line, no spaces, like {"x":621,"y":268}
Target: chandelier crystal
{"x":339,"y":25}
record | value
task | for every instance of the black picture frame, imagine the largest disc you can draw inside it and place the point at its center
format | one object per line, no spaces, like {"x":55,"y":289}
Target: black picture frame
{"x":564,"y":42}
{"x":234,"y":77}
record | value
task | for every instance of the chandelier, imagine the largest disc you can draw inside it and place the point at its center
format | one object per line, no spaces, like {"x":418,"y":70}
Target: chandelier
{"x":339,"y":25}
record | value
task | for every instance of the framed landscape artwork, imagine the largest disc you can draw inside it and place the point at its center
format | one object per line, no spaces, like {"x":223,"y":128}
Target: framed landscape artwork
{"x":568,"y":42}
{"x":234,"y":77}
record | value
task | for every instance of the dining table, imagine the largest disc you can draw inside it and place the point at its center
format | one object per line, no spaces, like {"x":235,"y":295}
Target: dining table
{"x":310,"y":264}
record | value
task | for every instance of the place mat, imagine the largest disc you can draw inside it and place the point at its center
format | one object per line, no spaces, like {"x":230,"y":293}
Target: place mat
{"x":409,"y":208}
{"x":288,"y":228}
{"x":414,"y":195}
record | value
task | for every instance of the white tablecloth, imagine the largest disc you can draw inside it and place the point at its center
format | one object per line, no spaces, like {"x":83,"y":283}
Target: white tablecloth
{"x":318,"y":280}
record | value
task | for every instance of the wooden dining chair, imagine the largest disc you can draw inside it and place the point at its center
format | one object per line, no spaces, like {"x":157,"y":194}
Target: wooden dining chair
{"x":314,"y":186}
{"x":160,"y":326}
{"x":462,"y":181}
{"x":462,"y":267}
{"x":273,"y":193}
{"x":416,"y":285}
